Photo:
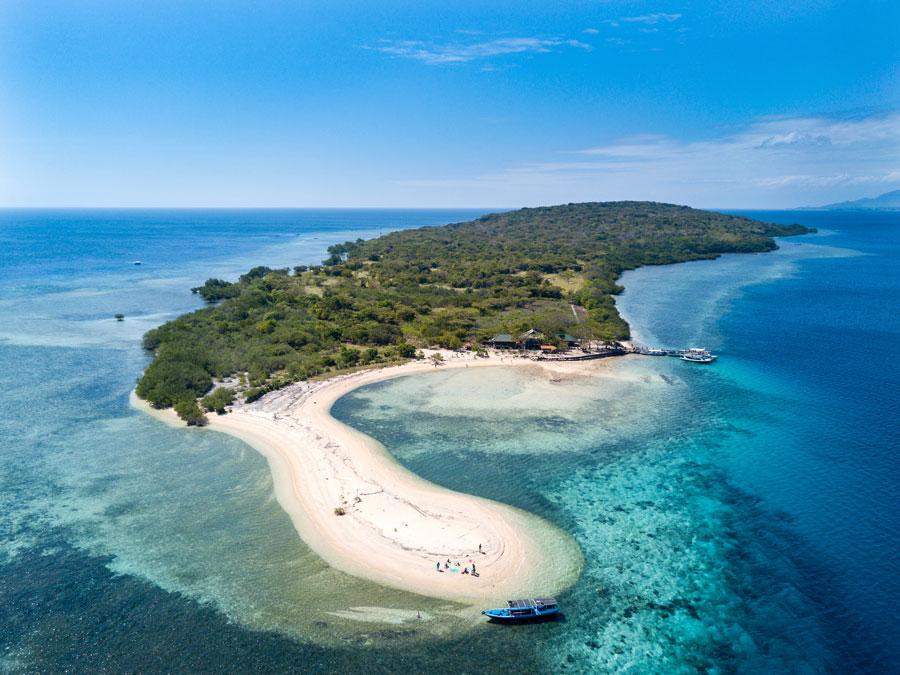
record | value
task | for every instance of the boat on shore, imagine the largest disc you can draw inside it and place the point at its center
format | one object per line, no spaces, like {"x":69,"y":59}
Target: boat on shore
{"x":524,"y":610}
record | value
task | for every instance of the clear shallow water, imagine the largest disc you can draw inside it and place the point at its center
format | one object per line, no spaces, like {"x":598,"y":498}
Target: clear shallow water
{"x":103,"y":509}
{"x":735,"y":518}
{"x":739,"y":518}
{"x":65,"y":273}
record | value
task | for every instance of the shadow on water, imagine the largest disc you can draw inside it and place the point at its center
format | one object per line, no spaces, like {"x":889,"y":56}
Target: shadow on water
{"x":530,"y":621}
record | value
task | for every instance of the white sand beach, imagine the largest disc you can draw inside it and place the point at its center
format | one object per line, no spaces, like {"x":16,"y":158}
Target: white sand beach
{"x":397,"y":527}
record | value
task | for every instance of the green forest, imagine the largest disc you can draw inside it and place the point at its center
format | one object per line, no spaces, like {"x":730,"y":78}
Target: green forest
{"x":377,"y":301}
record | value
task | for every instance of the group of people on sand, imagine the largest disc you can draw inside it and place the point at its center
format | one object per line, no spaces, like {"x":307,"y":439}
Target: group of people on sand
{"x":457,"y":567}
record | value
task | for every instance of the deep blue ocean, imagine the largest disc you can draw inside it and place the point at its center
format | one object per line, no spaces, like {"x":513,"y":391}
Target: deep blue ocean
{"x":735,"y":518}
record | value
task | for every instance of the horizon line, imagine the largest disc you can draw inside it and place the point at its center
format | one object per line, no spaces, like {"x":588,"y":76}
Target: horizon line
{"x":393,"y":208}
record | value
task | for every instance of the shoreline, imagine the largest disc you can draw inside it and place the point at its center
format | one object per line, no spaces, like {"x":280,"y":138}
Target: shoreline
{"x":397,"y":526}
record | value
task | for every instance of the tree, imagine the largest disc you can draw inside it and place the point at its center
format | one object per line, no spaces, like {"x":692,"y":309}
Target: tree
{"x":349,"y":357}
{"x":437,"y":359}
{"x":607,"y":337}
{"x":368,"y":356}
{"x":215,"y":290}
{"x":256,"y":273}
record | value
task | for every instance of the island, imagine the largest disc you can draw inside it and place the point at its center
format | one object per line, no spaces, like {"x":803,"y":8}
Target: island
{"x":889,"y":201}
{"x":274,"y":350}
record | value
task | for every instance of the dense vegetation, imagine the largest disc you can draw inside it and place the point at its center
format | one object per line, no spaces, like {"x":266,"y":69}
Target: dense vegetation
{"x":376,"y":301}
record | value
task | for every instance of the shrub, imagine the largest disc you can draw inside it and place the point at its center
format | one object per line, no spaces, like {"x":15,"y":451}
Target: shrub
{"x":255,"y":393}
{"x":218,"y":400}
{"x":189,"y":411}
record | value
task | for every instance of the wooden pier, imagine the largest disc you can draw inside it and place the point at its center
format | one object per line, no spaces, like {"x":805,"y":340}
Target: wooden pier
{"x":599,"y":354}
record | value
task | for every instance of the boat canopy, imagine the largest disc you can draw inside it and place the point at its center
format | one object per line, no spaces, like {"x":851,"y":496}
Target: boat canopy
{"x":519,"y":604}
{"x":545,"y":601}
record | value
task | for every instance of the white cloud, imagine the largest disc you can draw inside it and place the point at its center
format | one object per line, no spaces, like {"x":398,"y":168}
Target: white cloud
{"x":771,"y":162}
{"x":652,"y":18}
{"x":794,"y":139}
{"x":638,"y":30}
{"x":441,"y":54}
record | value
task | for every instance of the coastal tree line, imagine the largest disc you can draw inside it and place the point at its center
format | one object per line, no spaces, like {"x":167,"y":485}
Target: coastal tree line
{"x":376,"y":301}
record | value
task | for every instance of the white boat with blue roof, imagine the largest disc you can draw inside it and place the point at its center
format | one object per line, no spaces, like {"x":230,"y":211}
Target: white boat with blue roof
{"x":524,"y":610}
{"x":698,"y":355}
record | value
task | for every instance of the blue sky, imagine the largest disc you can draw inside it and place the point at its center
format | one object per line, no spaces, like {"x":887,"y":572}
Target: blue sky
{"x":724,"y":103}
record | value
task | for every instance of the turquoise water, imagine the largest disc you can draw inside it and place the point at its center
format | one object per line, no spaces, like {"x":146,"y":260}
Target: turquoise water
{"x":734,"y":518}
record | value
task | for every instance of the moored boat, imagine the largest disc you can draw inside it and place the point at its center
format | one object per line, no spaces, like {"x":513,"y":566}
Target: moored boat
{"x":523,"y":610}
{"x":698,"y":355}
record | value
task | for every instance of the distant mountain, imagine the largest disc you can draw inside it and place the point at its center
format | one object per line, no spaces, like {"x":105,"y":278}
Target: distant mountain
{"x":888,"y":201}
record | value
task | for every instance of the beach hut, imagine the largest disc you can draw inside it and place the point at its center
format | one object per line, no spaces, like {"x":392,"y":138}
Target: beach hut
{"x":570,"y":340}
{"x":503,"y":341}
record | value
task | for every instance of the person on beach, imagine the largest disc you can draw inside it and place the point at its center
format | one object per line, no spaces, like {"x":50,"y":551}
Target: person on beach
{"x":479,"y":548}
{"x":466,"y":571}
{"x":473,"y":568}
{"x":438,"y":566}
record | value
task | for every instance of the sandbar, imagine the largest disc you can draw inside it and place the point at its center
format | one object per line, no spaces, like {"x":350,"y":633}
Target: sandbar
{"x":398,"y":529}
